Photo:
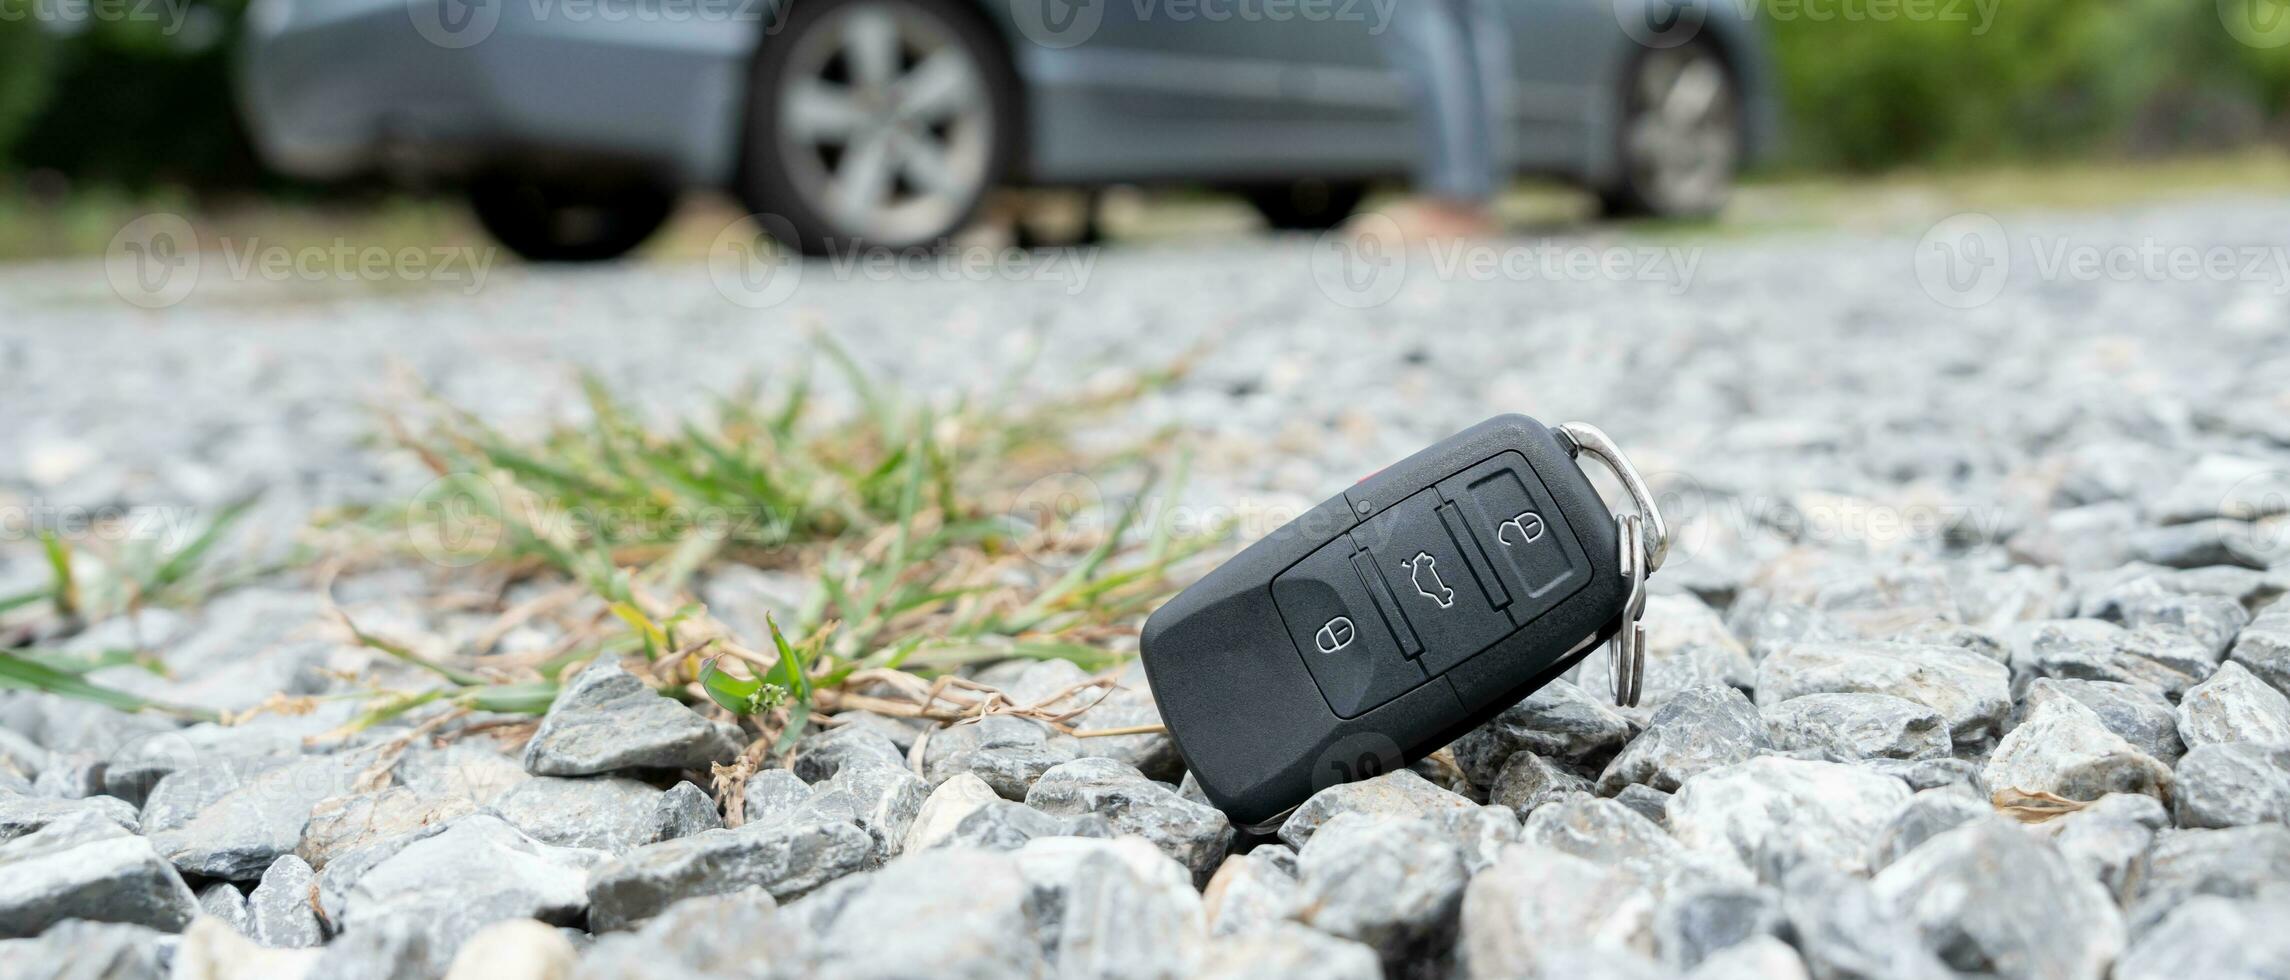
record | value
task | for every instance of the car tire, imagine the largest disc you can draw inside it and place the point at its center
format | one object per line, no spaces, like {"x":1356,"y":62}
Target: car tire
{"x":1306,"y":205}
{"x":853,"y":149}
{"x":1678,"y":135}
{"x":550,"y":220}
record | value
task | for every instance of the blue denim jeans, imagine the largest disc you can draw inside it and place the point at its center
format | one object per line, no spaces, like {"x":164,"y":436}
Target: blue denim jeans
{"x":1456,"y":58}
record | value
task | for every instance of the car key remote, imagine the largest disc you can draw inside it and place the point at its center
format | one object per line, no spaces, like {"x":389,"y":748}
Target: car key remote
{"x":1397,"y":615}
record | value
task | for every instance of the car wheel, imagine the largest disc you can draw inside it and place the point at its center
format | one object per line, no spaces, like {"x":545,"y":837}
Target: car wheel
{"x":1679,"y":135}
{"x":547,"y":220}
{"x":1306,"y":205}
{"x":878,"y":123}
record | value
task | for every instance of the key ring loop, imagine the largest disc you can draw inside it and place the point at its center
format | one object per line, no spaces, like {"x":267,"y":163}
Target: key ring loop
{"x":1581,"y":437}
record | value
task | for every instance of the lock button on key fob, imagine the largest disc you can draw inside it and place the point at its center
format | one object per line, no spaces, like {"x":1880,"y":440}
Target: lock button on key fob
{"x":1389,"y":619}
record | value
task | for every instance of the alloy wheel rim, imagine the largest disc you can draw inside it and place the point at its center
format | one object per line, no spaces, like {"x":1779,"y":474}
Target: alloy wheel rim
{"x":1684,"y":137}
{"x":884,"y":125}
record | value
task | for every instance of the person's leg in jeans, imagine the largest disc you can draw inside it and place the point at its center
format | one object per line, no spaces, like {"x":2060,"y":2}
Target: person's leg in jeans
{"x":1454,"y":55}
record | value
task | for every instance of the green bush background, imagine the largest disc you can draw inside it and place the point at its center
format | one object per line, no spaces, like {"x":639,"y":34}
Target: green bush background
{"x":135,"y":105}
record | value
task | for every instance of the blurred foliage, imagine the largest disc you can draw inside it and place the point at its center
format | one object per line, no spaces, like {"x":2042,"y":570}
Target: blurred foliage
{"x":24,"y":72}
{"x":137,"y":101}
{"x":2044,"y":79}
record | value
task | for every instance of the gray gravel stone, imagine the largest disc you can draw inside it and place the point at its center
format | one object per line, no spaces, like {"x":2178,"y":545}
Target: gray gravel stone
{"x":1006,"y":751}
{"x":1400,"y":793}
{"x":1482,"y":832}
{"x":945,"y":808}
{"x":242,"y":831}
{"x":83,"y":950}
{"x":2139,"y":714}
{"x":881,"y":800}
{"x":1287,"y":950}
{"x":1962,"y":775}
{"x":462,"y":772}
{"x":1528,"y":780}
{"x":1195,"y":834}
{"x":477,"y":871}
{"x":735,"y":934}
{"x":607,"y":720}
{"x":1773,"y":813}
{"x":2264,"y":648}
{"x":960,"y":914}
{"x":771,"y":794}
{"x":1926,"y":815}
{"x":685,"y":809}
{"x":1616,"y":836}
{"x":280,"y":909}
{"x":786,"y":859}
{"x":1000,"y":825}
{"x":1249,"y":892}
{"x":2233,"y":706}
{"x":396,"y":947}
{"x":2236,"y":862}
{"x":1698,"y":730}
{"x":1113,"y":908}
{"x":1850,"y":727}
{"x":2109,"y":840}
{"x":822,"y":754}
{"x":2211,"y":621}
{"x":1560,"y":721}
{"x":20,"y":815}
{"x":2213,"y":937}
{"x":1536,"y":903}
{"x":1843,"y":930}
{"x":1757,"y":958}
{"x":1393,"y":883}
{"x":86,"y":867}
{"x":1694,"y":925}
{"x":2230,"y":784}
{"x":607,"y":813}
{"x":1646,"y":801}
{"x":1989,"y":897}
{"x":2063,"y":748}
{"x":347,"y":824}
{"x":2091,"y":649}
{"x":1971,"y":692}
{"x":223,"y":902}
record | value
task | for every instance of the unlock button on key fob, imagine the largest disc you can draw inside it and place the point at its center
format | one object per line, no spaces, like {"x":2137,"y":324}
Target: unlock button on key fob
{"x":1348,"y":646}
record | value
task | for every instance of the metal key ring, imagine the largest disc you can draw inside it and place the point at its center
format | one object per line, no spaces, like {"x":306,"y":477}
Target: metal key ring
{"x":1581,"y":437}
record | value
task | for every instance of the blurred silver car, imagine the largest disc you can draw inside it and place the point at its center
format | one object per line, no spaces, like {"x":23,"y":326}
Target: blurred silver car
{"x":574,"y":123}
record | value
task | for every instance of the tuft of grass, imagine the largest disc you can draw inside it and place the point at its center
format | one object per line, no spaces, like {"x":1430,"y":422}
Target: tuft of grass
{"x":910,"y":519}
{"x":108,"y":576}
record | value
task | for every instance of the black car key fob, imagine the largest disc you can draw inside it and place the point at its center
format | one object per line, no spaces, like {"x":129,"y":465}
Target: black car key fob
{"x":1399,"y":614}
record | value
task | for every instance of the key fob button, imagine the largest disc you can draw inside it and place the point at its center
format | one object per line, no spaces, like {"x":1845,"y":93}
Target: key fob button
{"x":1524,"y":535}
{"x":1443,"y":601}
{"x":1348,"y":647}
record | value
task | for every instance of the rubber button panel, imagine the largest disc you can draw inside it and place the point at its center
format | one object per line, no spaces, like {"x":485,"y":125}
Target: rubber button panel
{"x":1351,"y":652}
{"x":1441,"y":599}
{"x":1526,"y":538}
